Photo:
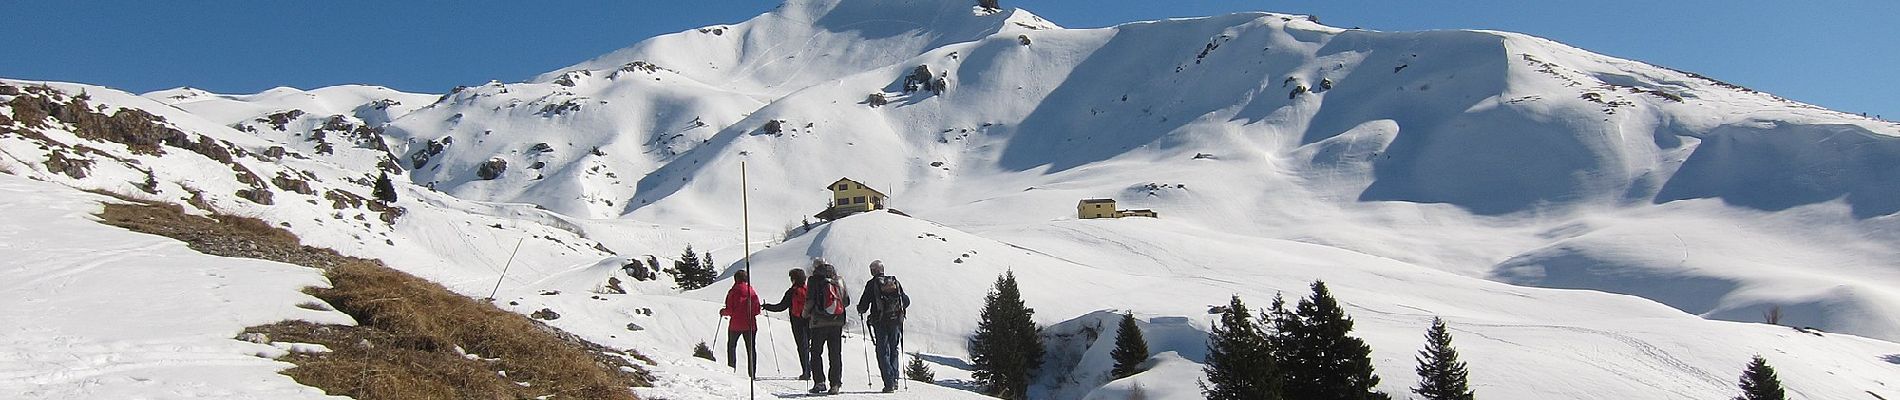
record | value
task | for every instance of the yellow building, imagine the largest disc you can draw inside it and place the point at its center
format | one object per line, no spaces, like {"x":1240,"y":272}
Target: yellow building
{"x":1096,"y":208}
{"x":849,"y":196}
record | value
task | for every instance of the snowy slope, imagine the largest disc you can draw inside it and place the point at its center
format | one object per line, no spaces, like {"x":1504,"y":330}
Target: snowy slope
{"x":1447,"y":173}
{"x":95,"y":311}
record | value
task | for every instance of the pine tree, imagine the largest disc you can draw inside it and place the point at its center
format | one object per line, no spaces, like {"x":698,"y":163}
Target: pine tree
{"x":1440,"y":375}
{"x":1760,"y":383}
{"x":1323,"y":362}
{"x":690,"y":272}
{"x":1131,"y":349}
{"x":1007,"y":344}
{"x":1239,"y":362}
{"x":918,"y":371}
{"x":385,"y":190}
{"x":1278,"y":322}
{"x":700,"y":350}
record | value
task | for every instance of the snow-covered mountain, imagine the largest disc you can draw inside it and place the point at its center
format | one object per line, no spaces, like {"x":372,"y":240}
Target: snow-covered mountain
{"x":1476,"y":175}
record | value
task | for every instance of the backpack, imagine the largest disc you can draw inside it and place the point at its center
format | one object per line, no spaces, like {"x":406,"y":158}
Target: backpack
{"x":889,"y":299}
{"x":827,"y":303}
{"x":832,"y":303}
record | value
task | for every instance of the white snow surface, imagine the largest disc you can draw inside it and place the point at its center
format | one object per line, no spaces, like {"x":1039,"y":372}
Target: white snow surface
{"x":94,"y":311}
{"x":1590,"y":227}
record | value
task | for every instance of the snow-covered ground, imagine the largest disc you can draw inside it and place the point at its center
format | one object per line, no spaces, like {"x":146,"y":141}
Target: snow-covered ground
{"x":96,"y":312}
{"x":1590,"y":227}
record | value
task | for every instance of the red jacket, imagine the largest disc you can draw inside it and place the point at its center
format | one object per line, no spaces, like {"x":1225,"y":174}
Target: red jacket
{"x":742,"y":304}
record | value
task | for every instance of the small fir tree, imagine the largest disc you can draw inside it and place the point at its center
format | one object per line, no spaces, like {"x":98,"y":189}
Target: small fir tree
{"x":1007,"y":344}
{"x":1440,"y":375}
{"x":1760,"y":383}
{"x":1323,"y":361}
{"x":700,"y":350}
{"x":918,"y":371}
{"x":1278,"y":322}
{"x":385,"y":190}
{"x":1131,"y":349}
{"x":690,"y":272}
{"x":1238,"y":363}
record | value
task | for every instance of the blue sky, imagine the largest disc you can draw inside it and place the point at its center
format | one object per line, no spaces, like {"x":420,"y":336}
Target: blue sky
{"x":1841,"y":54}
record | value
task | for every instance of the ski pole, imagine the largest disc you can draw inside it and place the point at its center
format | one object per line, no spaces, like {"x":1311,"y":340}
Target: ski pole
{"x":774,"y":342}
{"x":865,"y":325}
{"x":715,"y":333}
{"x":900,"y":352}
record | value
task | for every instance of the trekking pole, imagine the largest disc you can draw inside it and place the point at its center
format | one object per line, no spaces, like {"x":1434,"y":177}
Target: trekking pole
{"x":900,"y":356}
{"x":715,"y":340}
{"x":772,"y":339}
{"x":865,"y":325}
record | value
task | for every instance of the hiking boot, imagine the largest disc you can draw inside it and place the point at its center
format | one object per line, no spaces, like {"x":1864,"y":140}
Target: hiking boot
{"x":804,"y":377}
{"x":889,"y":388}
{"x":819,"y":388}
{"x":834,"y":389}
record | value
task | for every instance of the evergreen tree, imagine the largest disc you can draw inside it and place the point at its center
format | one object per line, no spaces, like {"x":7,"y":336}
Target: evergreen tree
{"x":1239,"y":362}
{"x":1130,"y":348}
{"x":918,"y":371}
{"x":1323,"y":362}
{"x":1007,"y":345}
{"x":1278,"y":322}
{"x":700,"y":350}
{"x":1440,"y":375}
{"x":690,"y":272}
{"x":1760,"y":383}
{"x":385,"y":190}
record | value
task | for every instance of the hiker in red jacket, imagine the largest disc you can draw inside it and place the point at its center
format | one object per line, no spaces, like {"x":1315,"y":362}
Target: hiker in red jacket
{"x":794,"y":303}
{"x":742,"y":304}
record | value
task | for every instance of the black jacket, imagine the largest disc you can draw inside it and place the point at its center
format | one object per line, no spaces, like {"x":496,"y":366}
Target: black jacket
{"x":868,"y":302}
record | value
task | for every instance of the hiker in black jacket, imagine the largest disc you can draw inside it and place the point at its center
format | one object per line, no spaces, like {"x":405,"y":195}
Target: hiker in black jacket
{"x":884,"y":301}
{"x":825,"y":305}
{"x":794,"y":302}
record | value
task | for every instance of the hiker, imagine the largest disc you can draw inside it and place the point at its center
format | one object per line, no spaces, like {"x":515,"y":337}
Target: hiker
{"x":825,"y":304}
{"x":742,"y":304}
{"x":794,"y":303}
{"x":885,"y":300}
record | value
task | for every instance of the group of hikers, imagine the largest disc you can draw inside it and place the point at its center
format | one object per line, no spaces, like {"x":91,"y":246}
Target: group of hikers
{"x":817,"y":306}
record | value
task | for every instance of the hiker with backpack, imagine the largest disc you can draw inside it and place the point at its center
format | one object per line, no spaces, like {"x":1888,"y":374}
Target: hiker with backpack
{"x":825,"y":304}
{"x":794,"y":304}
{"x":742,"y":304}
{"x":885,"y":301}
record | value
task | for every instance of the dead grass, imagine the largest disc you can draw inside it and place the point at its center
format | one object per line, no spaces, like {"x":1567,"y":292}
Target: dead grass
{"x":220,"y":235}
{"x":414,"y":336}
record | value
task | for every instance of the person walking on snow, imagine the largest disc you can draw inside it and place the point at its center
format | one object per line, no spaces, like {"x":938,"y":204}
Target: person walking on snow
{"x":794,"y":304}
{"x":742,"y":304}
{"x":825,"y":304}
{"x":885,"y":301}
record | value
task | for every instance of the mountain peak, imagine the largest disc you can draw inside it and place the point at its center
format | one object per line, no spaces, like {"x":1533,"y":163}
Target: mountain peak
{"x":805,"y":42}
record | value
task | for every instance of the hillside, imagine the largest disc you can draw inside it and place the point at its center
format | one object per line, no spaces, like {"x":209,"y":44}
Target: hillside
{"x":1602,"y":227}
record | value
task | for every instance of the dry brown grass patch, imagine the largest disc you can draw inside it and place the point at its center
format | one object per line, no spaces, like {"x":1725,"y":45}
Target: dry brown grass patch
{"x":220,"y":235}
{"x":411,"y":328}
{"x":425,"y":322}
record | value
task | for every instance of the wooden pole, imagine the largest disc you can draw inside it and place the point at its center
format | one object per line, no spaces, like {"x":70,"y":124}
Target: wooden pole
{"x":504,"y":269}
{"x":745,"y":235}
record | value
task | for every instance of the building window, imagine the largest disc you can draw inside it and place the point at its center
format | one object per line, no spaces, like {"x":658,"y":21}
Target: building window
{"x":844,"y":186}
{"x":857,"y":200}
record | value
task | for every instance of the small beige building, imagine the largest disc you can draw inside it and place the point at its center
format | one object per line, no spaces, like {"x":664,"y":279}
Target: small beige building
{"x":1105,"y":208}
{"x":1096,"y":208}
